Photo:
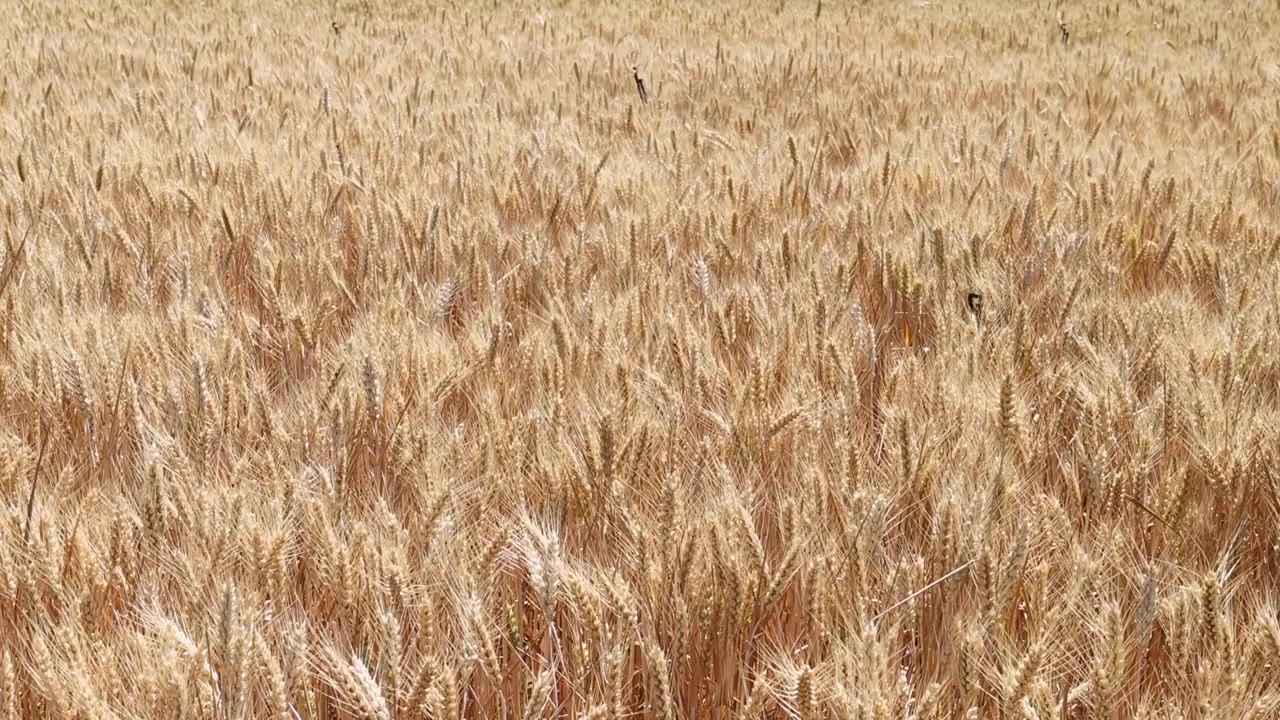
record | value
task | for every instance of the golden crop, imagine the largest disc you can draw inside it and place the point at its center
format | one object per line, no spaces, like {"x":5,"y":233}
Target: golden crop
{"x":399,"y":360}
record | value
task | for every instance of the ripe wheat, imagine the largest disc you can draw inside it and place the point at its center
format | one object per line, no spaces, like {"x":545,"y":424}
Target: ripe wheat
{"x":390,"y":360}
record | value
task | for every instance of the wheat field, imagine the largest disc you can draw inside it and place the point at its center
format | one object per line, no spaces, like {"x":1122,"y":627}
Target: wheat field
{"x":400,"y":360}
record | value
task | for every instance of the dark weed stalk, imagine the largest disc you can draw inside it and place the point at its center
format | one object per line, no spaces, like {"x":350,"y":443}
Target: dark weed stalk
{"x":644,"y":94}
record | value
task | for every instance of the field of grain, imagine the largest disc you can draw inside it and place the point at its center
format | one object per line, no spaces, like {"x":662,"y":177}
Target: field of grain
{"x":399,"y":360}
